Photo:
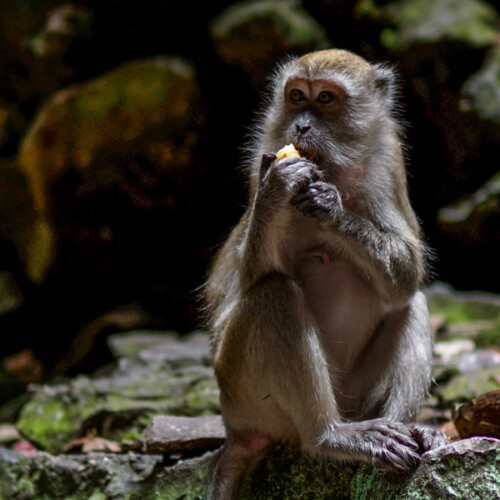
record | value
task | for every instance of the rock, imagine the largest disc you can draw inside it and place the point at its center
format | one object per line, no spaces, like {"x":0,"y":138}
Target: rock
{"x":470,"y":22}
{"x":122,"y":136}
{"x":467,"y":314}
{"x":95,"y":476}
{"x":8,"y":434}
{"x":478,"y":215}
{"x":65,"y":26}
{"x":465,"y":469}
{"x":126,"y":345}
{"x":89,"y":350}
{"x":437,"y":45}
{"x":12,"y":123}
{"x":24,"y":366}
{"x":462,"y":356}
{"x":480,"y":91}
{"x":468,"y":362}
{"x":479,"y":417}
{"x":255,"y":35}
{"x":447,"y":351}
{"x":465,"y":387}
{"x":11,"y":297}
{"x":168,"y":434}
{"x":17,"y":212}
{"x":452,"y":468}
{"x":472,"y":213}
{"x":168,"y":379}
{"x":191,"y":349}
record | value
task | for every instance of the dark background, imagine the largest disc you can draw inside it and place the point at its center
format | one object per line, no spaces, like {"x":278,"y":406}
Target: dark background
{"x":133,"y":236}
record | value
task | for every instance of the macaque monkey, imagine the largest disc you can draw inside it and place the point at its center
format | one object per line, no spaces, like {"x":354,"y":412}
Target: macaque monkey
{"x":320,"y":336}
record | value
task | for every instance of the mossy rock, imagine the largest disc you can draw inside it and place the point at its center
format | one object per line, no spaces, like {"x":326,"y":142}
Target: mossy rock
{"x":466,"y":469}
{"x":462,"y":307}
{"x":481,"y":91}
{"x":159,"y":381}
{"x":469,"y":386}
{"x":254,"y":35}
{"x":80,"y":139}
{"x":472,"y":23}
{"x":471,"y":225}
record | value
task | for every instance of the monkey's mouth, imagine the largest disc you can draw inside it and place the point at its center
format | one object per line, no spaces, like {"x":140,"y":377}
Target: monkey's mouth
{"x":314,"y":157}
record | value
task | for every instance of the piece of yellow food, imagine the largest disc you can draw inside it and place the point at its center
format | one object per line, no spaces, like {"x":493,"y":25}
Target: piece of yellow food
{"x":287,"y":151}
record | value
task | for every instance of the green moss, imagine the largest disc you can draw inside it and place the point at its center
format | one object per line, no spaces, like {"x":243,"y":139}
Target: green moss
{"x":489,"y":336}
{"x":52,"y":421}
{"x":466,"y":387}
{"x":457,"y":307}
{"x":40,"y":250}
{"x":273,"y":25}
{"x":98,"y":495}
{"x":481,"y":92}
{"x":122,"y":404}
{"x":469,"y":22}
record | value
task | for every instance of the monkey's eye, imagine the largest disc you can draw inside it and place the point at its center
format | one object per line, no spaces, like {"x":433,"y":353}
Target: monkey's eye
{"x":296,"y":95}
{"x":325,"y":97}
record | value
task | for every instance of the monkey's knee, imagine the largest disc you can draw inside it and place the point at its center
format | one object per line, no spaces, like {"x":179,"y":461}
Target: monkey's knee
{"x":277,"y":296}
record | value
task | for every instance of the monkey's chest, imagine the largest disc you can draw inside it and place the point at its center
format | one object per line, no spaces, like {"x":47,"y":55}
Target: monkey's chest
{"x":344,"y":305}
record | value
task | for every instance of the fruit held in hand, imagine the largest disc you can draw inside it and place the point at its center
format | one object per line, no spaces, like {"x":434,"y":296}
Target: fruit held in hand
{"x":287,"y":151}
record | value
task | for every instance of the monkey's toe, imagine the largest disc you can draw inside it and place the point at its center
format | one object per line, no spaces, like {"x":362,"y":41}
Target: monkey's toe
{"x":428,"y":438}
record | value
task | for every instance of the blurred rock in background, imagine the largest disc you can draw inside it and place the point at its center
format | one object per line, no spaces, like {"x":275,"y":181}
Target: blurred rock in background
{"x":121,"y":128}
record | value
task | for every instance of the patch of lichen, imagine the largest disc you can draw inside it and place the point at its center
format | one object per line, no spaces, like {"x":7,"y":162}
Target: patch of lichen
{"x":51,"y":418}
{"x":293,"y":475}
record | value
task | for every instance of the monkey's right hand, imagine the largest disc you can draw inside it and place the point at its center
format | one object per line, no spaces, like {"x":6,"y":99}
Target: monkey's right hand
{"x":285,"y":178}
{"x":384,"y":443}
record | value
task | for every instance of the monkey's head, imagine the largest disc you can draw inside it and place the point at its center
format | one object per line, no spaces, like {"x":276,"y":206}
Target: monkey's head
{"x":332,"y":105}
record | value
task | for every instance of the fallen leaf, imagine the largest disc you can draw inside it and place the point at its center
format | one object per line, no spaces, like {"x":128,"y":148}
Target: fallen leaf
{"x":25,"y":447}
{"x":91,"y":443}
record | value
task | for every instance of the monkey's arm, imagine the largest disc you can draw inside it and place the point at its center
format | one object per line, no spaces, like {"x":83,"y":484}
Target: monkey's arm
{"x":264,"y":230}
{"x":255,"y":246}
{"x":385,"y":249}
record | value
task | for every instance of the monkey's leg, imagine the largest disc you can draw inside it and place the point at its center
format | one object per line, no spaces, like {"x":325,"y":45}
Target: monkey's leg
{"x":404,"y":342}
{"x":239,"y":455}
{"x":275,"y":381}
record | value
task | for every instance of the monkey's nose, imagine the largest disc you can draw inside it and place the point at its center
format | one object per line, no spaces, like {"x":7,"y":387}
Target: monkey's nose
{"x":302,"y":129}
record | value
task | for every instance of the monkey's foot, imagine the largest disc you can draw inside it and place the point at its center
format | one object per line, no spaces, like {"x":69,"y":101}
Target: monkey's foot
{"x":428,"y":438}
{"x":383,"y":443}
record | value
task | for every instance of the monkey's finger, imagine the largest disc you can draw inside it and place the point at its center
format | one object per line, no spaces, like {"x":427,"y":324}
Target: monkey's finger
{"x":301,"y":196}
{"x":267,"y":161}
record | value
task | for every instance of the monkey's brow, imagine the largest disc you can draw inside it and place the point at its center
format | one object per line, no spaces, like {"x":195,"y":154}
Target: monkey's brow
{"x":350,"y":83}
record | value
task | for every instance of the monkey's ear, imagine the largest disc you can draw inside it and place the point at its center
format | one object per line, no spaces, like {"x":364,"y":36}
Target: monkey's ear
{"x":386,"y":82}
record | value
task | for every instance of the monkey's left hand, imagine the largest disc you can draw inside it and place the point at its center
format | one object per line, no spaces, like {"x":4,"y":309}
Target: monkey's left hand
{"x":320,"y":200}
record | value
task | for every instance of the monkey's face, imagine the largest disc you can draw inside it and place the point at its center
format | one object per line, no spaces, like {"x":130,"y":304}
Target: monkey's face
{"x":325,"y":121}
{"x":314,"y":110}
{"x":334,"y":106}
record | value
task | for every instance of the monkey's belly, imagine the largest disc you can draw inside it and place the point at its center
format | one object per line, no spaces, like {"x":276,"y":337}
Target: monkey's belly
{"x":345,"y":307}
